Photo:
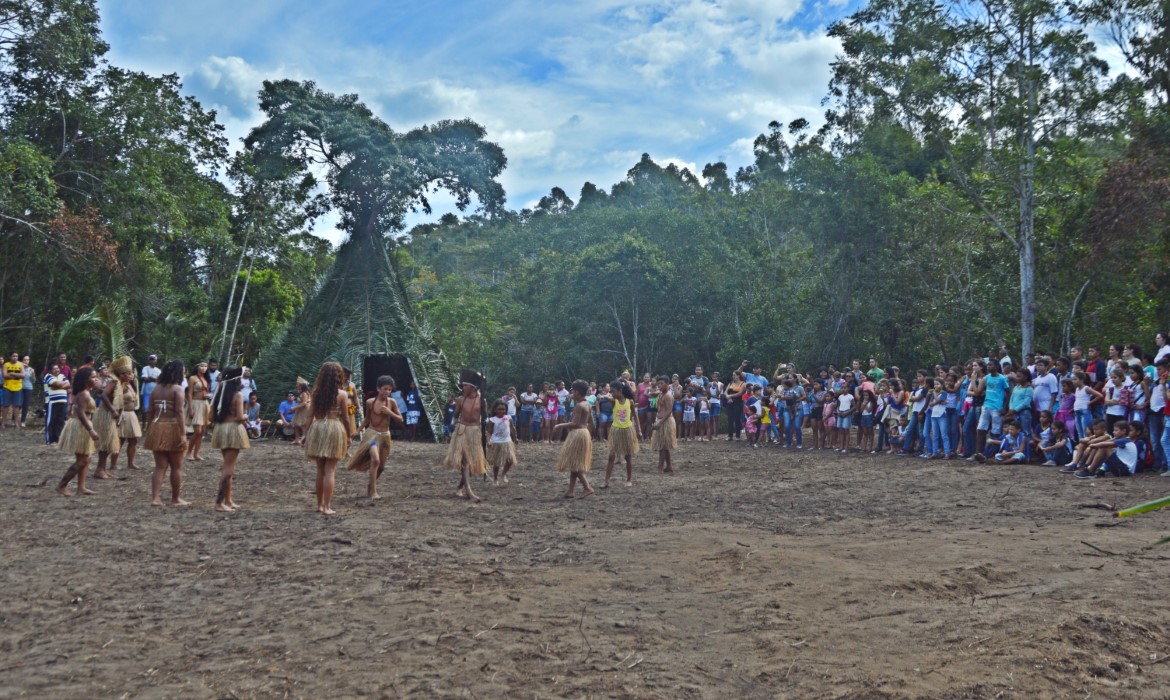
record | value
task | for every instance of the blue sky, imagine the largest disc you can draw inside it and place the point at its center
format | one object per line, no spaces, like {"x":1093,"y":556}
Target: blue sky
{"x":574,"y":92}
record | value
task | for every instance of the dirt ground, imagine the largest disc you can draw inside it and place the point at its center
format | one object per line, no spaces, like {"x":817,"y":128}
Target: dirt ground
{"x":749,"y":574}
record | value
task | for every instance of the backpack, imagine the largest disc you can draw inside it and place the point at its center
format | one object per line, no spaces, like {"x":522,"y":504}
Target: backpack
{"x":1125,"y":397}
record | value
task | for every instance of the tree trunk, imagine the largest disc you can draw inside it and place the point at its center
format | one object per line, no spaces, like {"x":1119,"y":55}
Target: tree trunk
{"x":1028,"y":195}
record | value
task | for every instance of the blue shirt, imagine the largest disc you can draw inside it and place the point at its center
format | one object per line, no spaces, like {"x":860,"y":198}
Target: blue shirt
{"x":1011,"y":444}
{"x":1022,"y":398}
{"x":997,"y":385}
{"x":413,"y":401}
{"x":286,"y":409}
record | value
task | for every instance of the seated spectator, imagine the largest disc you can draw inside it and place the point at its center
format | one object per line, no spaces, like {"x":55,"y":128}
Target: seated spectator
{"x":1056,"y":448}
{"x":286,"y":410}
{"x":1116,"y":457}
{"x":1011,"y":445}
{"x":256,"y":427}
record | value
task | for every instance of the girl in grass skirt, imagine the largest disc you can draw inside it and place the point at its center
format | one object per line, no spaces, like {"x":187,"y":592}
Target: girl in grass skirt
{"x":166,"y":432}
{"x":198,"y":409}
{"x":109,"y":415}
{"x":129,"y":429}
{"x":77,"y":438}
{"x":576,"y":455}
{"x":230,"y":434}
{"x":625,"y":435}
{"x":328,"y":435}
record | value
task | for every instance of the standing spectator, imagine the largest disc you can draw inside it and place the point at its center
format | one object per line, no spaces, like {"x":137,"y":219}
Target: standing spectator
{"x":528,"y":401}
{"x":56,"y":402}
{"x":11,"y":395}
{"x":150,"y":374}
{"x":63,"y":364}
{"x":247,"y":384}
{"x":1163,"y":346}
{"x":875,"y":373}
{"x":26,"y":388}
{"x":213,"y":374}
{"x":413,"y":410}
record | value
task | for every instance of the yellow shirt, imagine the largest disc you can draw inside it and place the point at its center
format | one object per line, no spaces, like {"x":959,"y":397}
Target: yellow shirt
{"x":623,"y":412}
{"x":13,"y":384}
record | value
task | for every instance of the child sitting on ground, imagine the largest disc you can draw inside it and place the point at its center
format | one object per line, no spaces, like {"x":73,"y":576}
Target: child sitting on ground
{"x":1056,"y":449}
{"x":1011,"y":446}
{"x":1041,"y":436}
{"x":1095,"y":433}
{"x":1116,"y":457}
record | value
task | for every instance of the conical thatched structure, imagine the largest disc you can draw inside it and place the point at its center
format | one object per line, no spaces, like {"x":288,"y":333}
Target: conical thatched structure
{"x":360,"y":309}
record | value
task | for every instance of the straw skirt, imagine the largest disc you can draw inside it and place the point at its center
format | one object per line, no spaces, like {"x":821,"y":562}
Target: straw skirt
{"x":74,"y":439}
{"x":165,"y":435}
{"x":301,"y":415}
{"x":129,"y":428}
{"x":623,"y":442}
{"x":326,"y":439}
{"x":501,"y":454}
{"x":360,"y":461}
{"x":200,"y":412}
{"x":466,"y":449}
{"x":577,"y":452}
{"x":663,"y":437}
{"x":107,"y":430}
{"x":230,"y":436}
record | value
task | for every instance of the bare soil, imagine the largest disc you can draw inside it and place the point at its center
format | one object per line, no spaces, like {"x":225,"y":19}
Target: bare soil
{"x":749,"y":574}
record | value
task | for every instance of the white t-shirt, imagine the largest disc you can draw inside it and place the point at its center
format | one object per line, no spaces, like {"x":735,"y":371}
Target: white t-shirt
{"x":939,"y":410}
{"x":1044,"y":389}
{"x":247,"y":386}
{"x":511,"y":401}
{"x":921,"y":402}
{"x":563,"y":397}
{"x":1157,"y":395}
{"x":149,"y":372}
{"x":1162,"y":352}
{"x":1082,"y":400}
{"x":1127,"y":453}
{"x":501,"y":430}
{"x":529,"y":399}
{"x":844,"y":403}
{"x":1112,"y":391}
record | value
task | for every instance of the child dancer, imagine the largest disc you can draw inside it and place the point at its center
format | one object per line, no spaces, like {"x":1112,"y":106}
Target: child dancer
{"x":229,"y":435}
{"x":577,"y":452}
{"x":78,"y":435}
{"x":465,"y":452}
{"x":501,"y":452}
{"x":664,"y":439}
{"x":375,"y":445}
{"x":625,"y":435}
{"x":327,"y":436}
{"x":166,"y":432}
{"x":129,"y":429}
{"x":109,"y":415}
{"x":198,"y":409}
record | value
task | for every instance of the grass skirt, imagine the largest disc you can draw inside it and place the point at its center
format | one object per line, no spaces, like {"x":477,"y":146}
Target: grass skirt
{"x":129,"y":428}
{"x":466,"y":448}
{"x":501,"y":454}
{"x":360,"y":461}
{"x":107,"y":430}
{"x":74,"y":439}
{"x":301,"y":415}
{"x":623,"y":442}
{"x":577,"y":452}
{"x":165,"y":435}
{"x":663,"y":437}
{"x":199,"y":412}
{"x":230,"y":436}
{"x":326,"y":439}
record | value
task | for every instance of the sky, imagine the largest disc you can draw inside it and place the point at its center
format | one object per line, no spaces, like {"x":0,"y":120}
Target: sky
{"x":572,"y":91}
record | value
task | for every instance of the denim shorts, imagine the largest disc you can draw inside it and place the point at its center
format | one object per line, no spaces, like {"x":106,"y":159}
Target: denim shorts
{"x":715,"y":409}
{"x":844,"y":422}
{"x":991,"y":420}
{"x":605,"y":418}
{"x":11,"y":398}
{"x":865,"y":421}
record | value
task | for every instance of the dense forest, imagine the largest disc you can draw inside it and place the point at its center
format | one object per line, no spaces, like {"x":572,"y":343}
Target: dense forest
{"x":981,"y":178}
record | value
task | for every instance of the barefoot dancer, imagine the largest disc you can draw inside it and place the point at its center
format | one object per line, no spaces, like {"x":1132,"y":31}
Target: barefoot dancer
{"x":166,"y":432}
{"x":577,"y":453}
{"x":129,"y":429}
{"x":230,"y":435}
{"x":663,"y":439}
{"x":501,"y":452}
{"x":302,"y":414}
{"x":625,"y":435}
{"x":198,"y":409}
{"x":465,"y":452}
{"x":375,"y":441}
{"x":109,"y":415}
{"x":327,"y":437}
{"x":78,"y":436}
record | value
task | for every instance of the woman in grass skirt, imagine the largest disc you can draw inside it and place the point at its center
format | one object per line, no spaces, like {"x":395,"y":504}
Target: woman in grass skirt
{"x":230,"y":435}
{"x":663,"y":438}
{"x":129,"y":429}
{"x":302,"y":413}
{"x":77,"y":438}
{"x":328,"y":436}
{"x":624,"y":435}
{"x":109,"y":416}
{"x":166,"y":432}
{"x":576,"y":455}
{"x":198,"y":409}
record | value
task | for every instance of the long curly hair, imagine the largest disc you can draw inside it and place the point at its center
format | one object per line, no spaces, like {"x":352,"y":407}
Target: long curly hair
{"x":172,"y":373}
{"x":329,"y":379}
{"x":225,"y":393}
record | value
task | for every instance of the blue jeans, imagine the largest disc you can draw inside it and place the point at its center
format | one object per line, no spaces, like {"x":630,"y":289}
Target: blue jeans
{"x":970,"y":434}
{"x":1025,"y":419}
{"x":912,"y":432}
{"x":773,"y":432}
{"x":953,"y":426}
{"x":1157,"y":423}
{"x":1084,"y":418}
{"x":930,"y":437}
{"x":792,"y":429}
{"x":26,"y":400}
{"x":1165,"y":441}
{"x":942,"y":435}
